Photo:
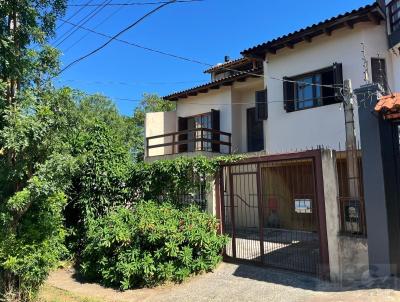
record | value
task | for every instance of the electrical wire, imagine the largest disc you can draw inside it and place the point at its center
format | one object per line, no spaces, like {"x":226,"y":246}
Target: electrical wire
{"x":222,"y":104}
{"x":98,"y":25}
{"x":74,"y":14}
{"x":135,"y":3}
{"x":128,"y":83}
{"x":74,"y":25}
{"x":117,"y":35}
{"x":91,"y":16}
{"x":195,"y":60}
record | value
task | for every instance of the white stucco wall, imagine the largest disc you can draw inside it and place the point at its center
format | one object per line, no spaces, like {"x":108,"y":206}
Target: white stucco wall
{"x":215,"y":99}
{"x":219,"y":99}
{"x":157,"y":123}
{"x":324,"y":125}
{"x":243,"y":97}
{"x":395,"y":56}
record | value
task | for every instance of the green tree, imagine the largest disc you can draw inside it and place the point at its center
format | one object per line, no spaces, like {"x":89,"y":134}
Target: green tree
{"x":150,"y":103}
{"x":34,"y":160}
{"x":101,"y":142}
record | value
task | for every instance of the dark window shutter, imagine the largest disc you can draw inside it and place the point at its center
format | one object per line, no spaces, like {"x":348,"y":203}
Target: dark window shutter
{"x":182,"y":125}
{"x":338,"y":81}
{"x":378,"y":67}
{"x":261,"y":105}
{"x":215,"y":125}
{"x":288,"y":95}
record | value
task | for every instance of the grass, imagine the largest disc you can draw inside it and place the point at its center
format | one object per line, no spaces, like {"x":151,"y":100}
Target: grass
{"x":52,"y":294}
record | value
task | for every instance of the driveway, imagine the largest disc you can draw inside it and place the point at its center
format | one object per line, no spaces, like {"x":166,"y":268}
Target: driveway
{"x":232,"y":282}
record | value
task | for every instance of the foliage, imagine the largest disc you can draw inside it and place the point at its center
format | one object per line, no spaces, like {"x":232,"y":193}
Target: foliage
{"x":35,"y":169}
{"x":150,"y":103}
{"x":170,"y":178}
{"x":150,"y":245}
{"x":34,"y":162}
{"x":100,"y":140}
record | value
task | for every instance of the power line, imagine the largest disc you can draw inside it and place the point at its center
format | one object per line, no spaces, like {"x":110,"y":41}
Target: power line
{"x":74,"y":26}
{"x":127,"y":83}
{"x":74,"y":14}
{"x":91,"y":16}
{"x":118,"y":34}
{"x":195,"y":60}
{"x":98,"y":25}
{"x":134,"y":3}
{"x":242,"y":102}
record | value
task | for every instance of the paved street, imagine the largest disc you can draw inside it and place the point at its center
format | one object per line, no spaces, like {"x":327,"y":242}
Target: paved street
{"x":231,"y":282}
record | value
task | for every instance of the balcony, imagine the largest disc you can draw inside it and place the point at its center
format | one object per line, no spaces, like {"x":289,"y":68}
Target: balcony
{"x":192,"y":140}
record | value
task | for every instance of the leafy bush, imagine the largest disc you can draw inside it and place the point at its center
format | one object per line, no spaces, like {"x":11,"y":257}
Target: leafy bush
{"x":170,"y":179}
{"x":153,"y":244}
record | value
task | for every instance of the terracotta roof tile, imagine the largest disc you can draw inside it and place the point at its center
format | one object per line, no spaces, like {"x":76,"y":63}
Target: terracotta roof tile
{"x":215,"y":84}
{"x":316,"y":29}
{"x":389,"y":103}
{"x":227,"y":64}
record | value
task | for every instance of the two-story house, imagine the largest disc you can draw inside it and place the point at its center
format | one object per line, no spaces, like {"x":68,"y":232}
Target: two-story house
{"x":281,"y":97}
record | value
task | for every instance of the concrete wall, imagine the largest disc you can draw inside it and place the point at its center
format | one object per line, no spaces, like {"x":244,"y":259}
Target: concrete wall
{"x":331,"y":191}
{"x":157,"y":123}
{"x":348,"y":256}
{"x":323,"y":125}
{"x":353,"y":253}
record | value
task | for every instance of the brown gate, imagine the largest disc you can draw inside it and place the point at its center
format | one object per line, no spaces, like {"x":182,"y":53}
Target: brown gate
{"x":270,"y":211}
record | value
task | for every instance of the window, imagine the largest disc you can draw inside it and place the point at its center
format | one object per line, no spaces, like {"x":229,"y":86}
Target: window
{"x":255,"y":132}
{"x":378,"y":67}
{"x":307,"y":93}
{"x":313,"y":89}
{"x":198,"y":122}
{"x":199,"y":140}
{"x":394,"y":13}
{"x":261,"y":105}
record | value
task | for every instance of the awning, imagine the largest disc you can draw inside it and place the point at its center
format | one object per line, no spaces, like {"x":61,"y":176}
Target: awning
{"x":389,"y":106}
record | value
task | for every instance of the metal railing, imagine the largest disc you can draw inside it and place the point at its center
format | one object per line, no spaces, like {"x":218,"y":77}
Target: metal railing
{"x":191,"y":140}
{"x":351,"y":195}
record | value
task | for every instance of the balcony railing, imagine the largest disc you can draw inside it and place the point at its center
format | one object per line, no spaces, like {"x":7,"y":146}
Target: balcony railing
{"x":199,"y":139}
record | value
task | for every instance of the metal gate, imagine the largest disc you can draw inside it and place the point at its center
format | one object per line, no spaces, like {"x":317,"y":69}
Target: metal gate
{"x":269,"y":209}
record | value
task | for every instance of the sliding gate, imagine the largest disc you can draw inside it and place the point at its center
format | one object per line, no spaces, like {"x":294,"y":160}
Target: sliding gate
{"x":269,"y":210}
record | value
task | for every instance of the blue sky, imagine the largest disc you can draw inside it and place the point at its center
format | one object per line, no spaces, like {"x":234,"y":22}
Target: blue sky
{"x":206,"y":31}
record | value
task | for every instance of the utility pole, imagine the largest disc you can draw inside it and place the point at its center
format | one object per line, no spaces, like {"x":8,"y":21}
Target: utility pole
{"x":352,"y":158}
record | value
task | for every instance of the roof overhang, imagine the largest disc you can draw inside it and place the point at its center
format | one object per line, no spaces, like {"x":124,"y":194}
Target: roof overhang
{"x":228,"y":81}
{"x":369,"y":13}
{"x":226,"y":65}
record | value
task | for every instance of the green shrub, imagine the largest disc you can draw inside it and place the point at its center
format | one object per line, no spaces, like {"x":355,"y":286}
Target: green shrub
{"x":150,"y":245}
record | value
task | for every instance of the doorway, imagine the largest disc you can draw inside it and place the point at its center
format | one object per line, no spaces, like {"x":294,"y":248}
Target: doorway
{"x":255,"y":132}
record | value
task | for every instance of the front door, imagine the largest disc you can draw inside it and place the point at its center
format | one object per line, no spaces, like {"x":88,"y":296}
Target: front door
{"x":255,"y":132}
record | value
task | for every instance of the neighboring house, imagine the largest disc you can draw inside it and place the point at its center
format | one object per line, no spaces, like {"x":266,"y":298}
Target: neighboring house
{"x":287,"y":205}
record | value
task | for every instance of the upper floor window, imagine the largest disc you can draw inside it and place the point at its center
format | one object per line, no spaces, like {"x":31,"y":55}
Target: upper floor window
{"x":307,"y":93}
{"x":314,"y":89}
{"x":394,"y":14}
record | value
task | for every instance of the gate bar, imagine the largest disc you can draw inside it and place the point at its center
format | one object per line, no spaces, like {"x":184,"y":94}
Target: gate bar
{"x":232,"y":202}
{"x":260,"y":212}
